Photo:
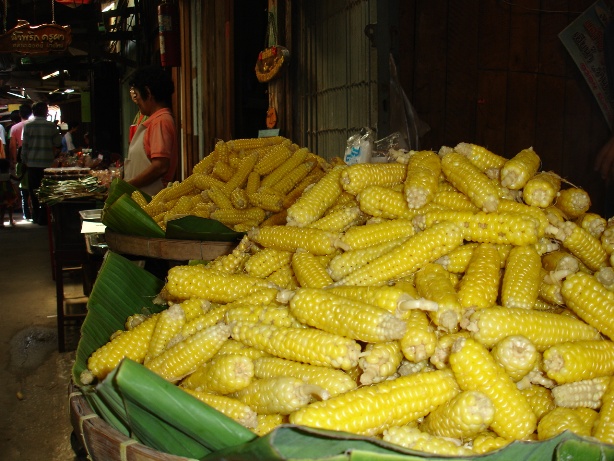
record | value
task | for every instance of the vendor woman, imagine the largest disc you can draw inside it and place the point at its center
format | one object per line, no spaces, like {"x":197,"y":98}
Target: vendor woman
{"x":154,"y":149}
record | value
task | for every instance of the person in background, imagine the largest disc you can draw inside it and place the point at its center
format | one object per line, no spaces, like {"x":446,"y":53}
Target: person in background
{"x":86,"y":141}
{"x":8,"y":193}
{"x":68,"y":145}
{"x":41,"y":142}
{"x":16,"y":132}
{"x":154,"y":149}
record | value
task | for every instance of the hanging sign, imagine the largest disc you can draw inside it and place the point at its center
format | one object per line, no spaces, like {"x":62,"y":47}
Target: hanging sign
{"x":41,"y":39}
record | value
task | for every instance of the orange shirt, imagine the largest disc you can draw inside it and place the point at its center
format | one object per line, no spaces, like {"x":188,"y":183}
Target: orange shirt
{"x":160,"y":140}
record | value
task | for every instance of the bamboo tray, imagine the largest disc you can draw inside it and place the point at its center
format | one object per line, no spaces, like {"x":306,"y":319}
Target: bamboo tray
{"x":102,"y":441}
{"x":168,"y":249}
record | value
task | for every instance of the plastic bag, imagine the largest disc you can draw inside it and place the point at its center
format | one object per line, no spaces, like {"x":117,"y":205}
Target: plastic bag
{"x":359,"y":147}
{"x":383,"y":146}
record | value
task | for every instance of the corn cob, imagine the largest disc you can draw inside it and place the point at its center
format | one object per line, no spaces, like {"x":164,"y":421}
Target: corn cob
{"x":356,"y":177}
{"x":581,"y":244}
{"x":433,"y":283}
{"x":239,"y":177}
{"x":205,"y":165}
{"x":470,"y":180}
{"x":454,"y":200}
{"x":254,"y":143}
{"x":205,"y":182}
{"x":392,"y":298}
{"x":234,"y":261}
{"x":573,"y":201}
{"x":297,"y":158}
{"x":560,"y":264}
{"x":479,"y":287}
{"x":267,"y":423}
{"x":481,"y":157}
{"x":267,"y":261}
{"x":370,"y":410}
{"x":520,"y":285}
{"x":184,"y":357}
{"x":579,"y":360}
{"x":354,"y":319}
{"x":308,"y":181}
{"x":223,"y":171}
{"x":585,"y":393}
{"x":373,"y":234}
{"x":334,"y":381}
{"x":420,"y":339}
{"x":139,"y":198}
{"x":308,"y":270}
{"x":284,"y":278}
{"x":379,"y":361}
{"x":593,"y":223}
{"x":541,"y":189}
{"x":409,"y":436}
{"x":325,"y":349}
{"x":239,"y":199}
{"x":170,"y":322}
{"x":229,"y":406}
{"x":291,"y":180}
{"x":223,"y":374}
{"x":218,"y":197}
{"x":235,"y":347}
{"x":607,"y":237}
{"x":516,"y":355}
{"x":510,"y":206}
{"x":559,"y":420}
{"x":463,"y":417}
{"x":269,"y":314}
{"x":488,"y":441}
{"x":540,"y":399}
{"x":422,"y":178}
{"x":132,"y":344}
{"x":519,"y":169}
{"x":290,"y":238}
{"x":603,"y":430}
{"x":185,"y":282}
{"x":266,"y":199}
{"x":543,"y":329}
{"x":314,"y":202}
{"x":441,"y":355}
{"x":383,"y":202}
{"x":476,"y":370}
{"x":273,"y":158}
{"x":405,"y":259}
{"x":340,"y":220}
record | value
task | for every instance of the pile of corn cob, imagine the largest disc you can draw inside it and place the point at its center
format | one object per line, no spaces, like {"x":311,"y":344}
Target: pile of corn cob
{"x":243,"y":183}
{"x":448,"y":302}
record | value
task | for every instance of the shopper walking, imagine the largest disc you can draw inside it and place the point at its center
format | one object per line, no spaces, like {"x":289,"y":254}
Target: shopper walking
{"x":68,"y":146}
{"x":41,"y":143}
{"x":8,"y":193}
{"x":16,"y":132}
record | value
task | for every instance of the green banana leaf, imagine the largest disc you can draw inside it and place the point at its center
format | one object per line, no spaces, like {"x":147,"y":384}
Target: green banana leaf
{"x":119,"y":187}
{"x":582,"y":449}
{"x":106,"y":401}
{"x":125,"y":216}
{"x":197,"y":228}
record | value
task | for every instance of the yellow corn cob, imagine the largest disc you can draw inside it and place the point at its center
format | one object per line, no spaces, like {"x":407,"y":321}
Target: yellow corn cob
{"x":520,"y":285}
{"x":297,"y":157}
{"x":205,"y":182}
{"x":334,"y":381}
{"x":543,"y":329}
{"x":373,"y":234}
{"x":132,"y":344}
{"x":573,"y":201}
{"x":510,"y":206}
{"x":279,"y":395}
{"x":593,"y":223}
{"x":541,"y":189}
{"x":516,"y":355}
{"x":441,"y":355}
{"x":540,"y":399}
{"x":232,"y":216}
{"x":267,"y":200}
{"x":407,"y":368}
{"x":218,"y":197}
{"x":290,"y":238}
{"x":205,"y":165}
{"x":239,"y":177}
{"x":457,"y":260}
{"x":360,"y":175}
{"x":254,"y":143}
{"x":519,"y":169}
{"x":488,"y":441}
{"x":591,"y":301}
{"x":409,"y":436}
{"x":284,"y":278}
{"x":184,"y":282}
{"x":325,"y":349}
{"x":454,"y":200}
{"x":479,"y":287}
{"x":379,"y":361}
{"x":138,"y":197}
{"x":349,"y":261}
{"x":353,"y":319}
{"x":559,"y":264}
{"x":481,"y":157}
{"x":290,"y":181}
{"x":253,"y":183}
{"x":603,"y":428}
{"x":581,"y":244}
{"x":273,"y":158}
{"x":607,"y":237}
{"x":223,"y":171}
{"x":392,"y":298}
{"x":223,"y":374}
{"x":233,"y":262}
{"x":568,"y":362}
{"x":170,"y":321}
{"x":383,"y":202}
{"x":276,"y":219}
{"x":295,"y":193}
{"x":308,"y":270}
{"x":267,"y":423}
{"x":433,"y":283}
{"x":234,"y":347}
{"x":463,"y":417}
{"x":179,"y":189}
{"x":185,"y":356}
{"x":476,"y":370}
{"x":370,"y":410}
{"x":501,"y":228}
{"x":588,"y":416}
{"x":239,"y":199}
{"x":314,"y":202}
{"x":559,"y":420}
{"x":134,"y":320}
{"x":267,"y":261}
{"x":422,"y":178}
{"x":340,"y":220}
{"x":229,"y":406}
{"x":471,"y":181}
{"x":586,"y":393}
{"x":420,"y":339}
{"x":550,"y":290}
{"x":269,"y":314}
{"x":415,"y":252}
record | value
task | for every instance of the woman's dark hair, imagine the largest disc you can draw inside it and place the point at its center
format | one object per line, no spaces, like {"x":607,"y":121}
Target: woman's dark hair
{"x":154,"y":81}
{"x":40,"y":109}
{"x":25,"y":111}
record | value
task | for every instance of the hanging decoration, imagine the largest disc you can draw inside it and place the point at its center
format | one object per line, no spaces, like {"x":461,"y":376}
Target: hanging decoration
{"x":274,"y":57}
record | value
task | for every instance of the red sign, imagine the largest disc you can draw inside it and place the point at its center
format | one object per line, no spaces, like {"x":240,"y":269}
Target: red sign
{"x":42,"y":39}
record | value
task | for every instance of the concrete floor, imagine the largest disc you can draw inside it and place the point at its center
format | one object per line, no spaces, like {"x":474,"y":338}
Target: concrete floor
{"x":34,"y":377}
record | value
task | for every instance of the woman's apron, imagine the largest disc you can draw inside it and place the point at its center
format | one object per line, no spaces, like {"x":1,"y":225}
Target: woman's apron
{"x":137,"y":161}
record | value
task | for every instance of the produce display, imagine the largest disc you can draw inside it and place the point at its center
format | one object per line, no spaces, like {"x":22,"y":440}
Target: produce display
{"x":449,"y":302}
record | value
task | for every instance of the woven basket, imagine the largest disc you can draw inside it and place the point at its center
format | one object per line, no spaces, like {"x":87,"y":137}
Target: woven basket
{"x":104,"y":443}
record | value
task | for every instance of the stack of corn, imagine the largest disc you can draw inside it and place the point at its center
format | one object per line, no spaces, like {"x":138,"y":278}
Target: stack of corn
{"x":449,"y":302}
{"x":243,"y":183}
